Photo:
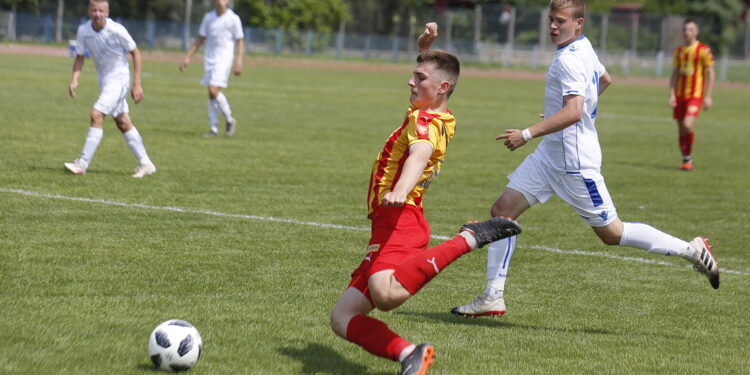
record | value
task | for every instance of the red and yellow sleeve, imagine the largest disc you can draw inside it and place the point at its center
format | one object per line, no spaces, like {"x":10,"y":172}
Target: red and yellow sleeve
{"x":420,"y":129}
{"x":707,"y":57}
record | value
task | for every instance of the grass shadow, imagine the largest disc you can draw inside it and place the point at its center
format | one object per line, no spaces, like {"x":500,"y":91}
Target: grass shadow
{"x":499,"y":323}
{"x":319,"y":359}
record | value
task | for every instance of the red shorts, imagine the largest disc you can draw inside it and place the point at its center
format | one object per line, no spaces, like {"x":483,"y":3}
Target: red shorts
{"x":397,"y":234}
{"x":687,"y":107}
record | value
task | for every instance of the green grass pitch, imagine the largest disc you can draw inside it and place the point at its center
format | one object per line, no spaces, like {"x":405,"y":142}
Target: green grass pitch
{"x":89,"y":265}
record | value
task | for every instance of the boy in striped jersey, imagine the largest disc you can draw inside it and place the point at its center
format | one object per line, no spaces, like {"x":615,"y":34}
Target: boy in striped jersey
{"x":398,"y":262}
{"x":690,"y":87}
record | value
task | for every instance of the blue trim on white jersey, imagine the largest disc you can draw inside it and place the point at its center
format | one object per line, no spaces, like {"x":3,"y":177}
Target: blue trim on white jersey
{"x":596,"y":198}
{"x":579,"y":38}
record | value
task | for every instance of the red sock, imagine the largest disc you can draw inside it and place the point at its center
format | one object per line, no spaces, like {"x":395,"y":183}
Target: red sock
{"x":686,"y":143}
{"x":690,"y":137}
{"x":421,"y":268}
{"x":375,"y":337}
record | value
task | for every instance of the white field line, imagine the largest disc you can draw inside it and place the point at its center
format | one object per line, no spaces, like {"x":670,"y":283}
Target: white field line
{"x":323,"y":225}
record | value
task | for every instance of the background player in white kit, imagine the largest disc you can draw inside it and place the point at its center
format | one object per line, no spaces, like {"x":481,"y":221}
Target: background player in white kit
{"x":567,"y":164}
{"x":221,"y":29}
{"x":109,"y":44}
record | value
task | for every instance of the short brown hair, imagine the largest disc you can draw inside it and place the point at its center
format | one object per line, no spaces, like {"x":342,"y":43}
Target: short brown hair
{"x":690,"y":20}
{"x":444,"y":61}
{"x":579,"y":7}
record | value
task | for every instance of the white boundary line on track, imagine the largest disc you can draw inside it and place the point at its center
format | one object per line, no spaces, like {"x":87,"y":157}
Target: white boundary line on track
{"x":323,"y":225}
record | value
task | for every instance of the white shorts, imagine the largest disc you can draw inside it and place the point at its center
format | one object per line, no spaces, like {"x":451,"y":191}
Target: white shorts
{"x":113,"y":99}
{"x":216,"y":75}
{"x":584,"y":191}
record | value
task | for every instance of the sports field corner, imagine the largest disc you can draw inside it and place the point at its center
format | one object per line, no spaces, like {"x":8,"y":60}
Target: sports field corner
{"x":252,"y":238}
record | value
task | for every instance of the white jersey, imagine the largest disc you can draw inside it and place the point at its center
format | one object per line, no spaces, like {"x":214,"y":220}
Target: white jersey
{"x":220,"y":32}
{"x":109,"y":48}
{"x":575,"y":70}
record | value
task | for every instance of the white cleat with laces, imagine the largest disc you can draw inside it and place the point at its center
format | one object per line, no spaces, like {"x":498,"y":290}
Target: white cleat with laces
{"x":144,"y":170}
{"x":704,"y":261}
{"x":481,"y":306}
{"x":76,"y":167}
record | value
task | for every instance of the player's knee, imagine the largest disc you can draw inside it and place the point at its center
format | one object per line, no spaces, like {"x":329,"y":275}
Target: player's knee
{"x":610,"y":239}
{"x":96,"y":117}
{"x":213,"y":92}
{"x":339,"y":322}
{"x":383,"y":299}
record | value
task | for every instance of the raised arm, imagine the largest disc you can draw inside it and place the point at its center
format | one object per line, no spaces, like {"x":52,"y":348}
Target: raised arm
{"x":428,"y":36}
{"x":194,"y":48}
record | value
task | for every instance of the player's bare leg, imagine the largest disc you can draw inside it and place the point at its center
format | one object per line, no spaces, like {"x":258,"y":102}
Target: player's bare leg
{"x":687,"y":137}
{"x":499,"y":254}
{"x":93,"y":138}
{"x":218,"y":101}
{"x":135,"y":143}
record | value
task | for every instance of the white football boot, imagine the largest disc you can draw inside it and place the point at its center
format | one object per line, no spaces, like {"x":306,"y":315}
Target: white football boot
{"x":76,"y":167}
{"x":704,"y":261}
{"x":144,"y":170}
{"x":481,"y":306}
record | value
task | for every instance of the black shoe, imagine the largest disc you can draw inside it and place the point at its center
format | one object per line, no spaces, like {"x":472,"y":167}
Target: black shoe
{"x":230,"y":127}
{"x":418,"y":361}
{"x":491,"y":230}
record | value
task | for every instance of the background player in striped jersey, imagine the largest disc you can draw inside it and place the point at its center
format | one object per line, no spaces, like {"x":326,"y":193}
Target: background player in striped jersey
{"x":398,"y":263}
{"x":109,"y":44}
{"x":221,"y":30}
{"x":690,"y":87}
{"x":567,"y":163}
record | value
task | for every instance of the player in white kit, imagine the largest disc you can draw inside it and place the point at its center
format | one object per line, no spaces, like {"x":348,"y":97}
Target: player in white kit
{"x":221,"y":30}
{"x":109,"y":45}
{"x":567,"y":164}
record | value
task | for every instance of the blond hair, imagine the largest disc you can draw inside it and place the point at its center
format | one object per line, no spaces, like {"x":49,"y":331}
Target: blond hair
{"x":578,"y":6}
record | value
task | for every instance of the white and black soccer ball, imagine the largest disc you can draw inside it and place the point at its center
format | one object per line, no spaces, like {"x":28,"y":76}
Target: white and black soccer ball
{"x":175,"y":345}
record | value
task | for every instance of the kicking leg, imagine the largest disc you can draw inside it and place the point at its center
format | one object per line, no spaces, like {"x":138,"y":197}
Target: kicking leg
{"x":646,"y":237}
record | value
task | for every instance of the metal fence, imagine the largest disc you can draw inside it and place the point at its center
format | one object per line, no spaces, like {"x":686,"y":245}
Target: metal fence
{"x":628,"y":43}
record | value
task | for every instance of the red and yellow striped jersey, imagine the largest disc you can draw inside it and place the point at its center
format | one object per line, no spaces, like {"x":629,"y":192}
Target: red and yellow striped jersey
{"x":435,"y":128}
{"x":691,"y":63}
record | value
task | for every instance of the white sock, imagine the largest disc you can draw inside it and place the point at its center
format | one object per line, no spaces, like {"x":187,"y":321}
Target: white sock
{"x":93,"y":138}
{"x":646,"y":237}
{"x":407,"y":350}
{"x":224,"y":106}
{"x":213,"y":114}
{"x":469,"y":239}
{"x":499,"y":254}
{"x":135,"y":143}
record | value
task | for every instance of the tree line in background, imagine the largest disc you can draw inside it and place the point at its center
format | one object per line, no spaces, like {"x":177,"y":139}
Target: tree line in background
{"x":721,"y":20}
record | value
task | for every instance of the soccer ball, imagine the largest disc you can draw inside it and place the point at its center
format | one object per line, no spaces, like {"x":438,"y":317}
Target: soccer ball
{"x":175,"y":345}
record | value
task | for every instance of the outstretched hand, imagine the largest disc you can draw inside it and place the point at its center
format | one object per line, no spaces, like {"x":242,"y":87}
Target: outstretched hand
{"x":428,"y":36}
{"x":513,"y":139}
